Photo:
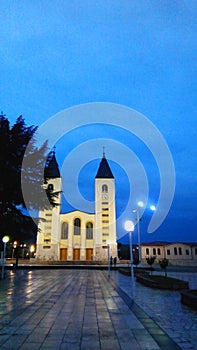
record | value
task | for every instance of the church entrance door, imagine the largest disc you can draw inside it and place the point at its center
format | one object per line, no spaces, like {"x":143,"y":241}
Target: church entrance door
{"x":89,"y":254}
{"x":63,"y":254}
{"x":76,"y":254}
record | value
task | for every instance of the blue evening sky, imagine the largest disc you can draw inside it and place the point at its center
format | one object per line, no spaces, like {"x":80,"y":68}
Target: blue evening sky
{"x":56,"y":54}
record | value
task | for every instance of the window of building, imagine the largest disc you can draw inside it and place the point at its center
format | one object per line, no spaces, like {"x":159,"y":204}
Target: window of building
{"x":168,"y":251}
{"x":105,"y":209}
{"x":105,"y":203}
{"x":48,"y":214}
{"x":195,"y":251}
{"x":187,"y":251}
{"x":89,"y":230}
{"x":180,"y":251}
{"x":175,"y":250}
{"x":77,"y":227}
{"x":46,"y":240}
{"x":158,"y":251}
{"x":154,"y":251}
{"x":105,"y":214}
{"x":64,"y":233}
{"x":104,"y":188}
{"x":147,"y":251}
{"x":50,"y":187}
{"x":105,"y":221}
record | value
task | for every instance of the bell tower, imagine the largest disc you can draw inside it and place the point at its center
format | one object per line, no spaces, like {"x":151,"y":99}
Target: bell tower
{"x":105,"y":212}
{"x":48,"y":228}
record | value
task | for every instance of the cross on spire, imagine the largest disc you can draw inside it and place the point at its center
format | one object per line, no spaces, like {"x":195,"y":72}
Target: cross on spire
{"x":103,"y":151}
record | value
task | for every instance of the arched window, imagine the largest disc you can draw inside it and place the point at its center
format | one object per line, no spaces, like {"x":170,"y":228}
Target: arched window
{"x":64,"y":233}
{"x":89,"y":230}
{"x":180,"y":251}
{"x":77,"y":226}
{"x":104,"y":188}
{"x":147,"y":251}
{"x":154,"y":251}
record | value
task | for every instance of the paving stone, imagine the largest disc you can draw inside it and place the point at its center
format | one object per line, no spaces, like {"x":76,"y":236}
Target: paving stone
{"x":81,"y":310}
{"x":164,"y":308}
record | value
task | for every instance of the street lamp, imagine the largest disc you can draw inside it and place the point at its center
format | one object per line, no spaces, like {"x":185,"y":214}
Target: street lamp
{"x":32,"y":250}
{"x":14,"y":247}
{"x":129,"y":227}
{"x":109,"y":242}
{"x":152,"y":207}
{"x":137,"y":211}
{"x":23,"y":246}
{"x":108,"y":258}
{"x":5,"y":240}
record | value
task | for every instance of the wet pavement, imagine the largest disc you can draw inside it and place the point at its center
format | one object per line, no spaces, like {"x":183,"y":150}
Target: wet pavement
{"x":165,"y":308}
{"x":83,"y":310}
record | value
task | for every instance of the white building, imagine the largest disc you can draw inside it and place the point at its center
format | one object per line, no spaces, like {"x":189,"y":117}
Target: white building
{"x":79,"y":235}
{"x":177,"y":253}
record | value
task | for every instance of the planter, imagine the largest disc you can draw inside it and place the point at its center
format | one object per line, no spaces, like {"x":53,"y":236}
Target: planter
{"x":162,"y":282}
{"x":127,"y":271}
{"x":189,"y":298}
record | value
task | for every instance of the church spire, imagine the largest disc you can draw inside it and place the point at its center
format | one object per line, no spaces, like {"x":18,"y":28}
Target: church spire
{"x":104,"y":170}
{"x":51,"y":169}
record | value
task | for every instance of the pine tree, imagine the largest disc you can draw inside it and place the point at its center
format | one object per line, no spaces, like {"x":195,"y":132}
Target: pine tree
{"x":16,"y":165}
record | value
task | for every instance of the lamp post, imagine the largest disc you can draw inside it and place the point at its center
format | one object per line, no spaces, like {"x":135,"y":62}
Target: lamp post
{"x":108,"y":258}
{"x":5,"y":239}
{"x":32,"y":250}
{"x":140,"y":205}
{"x":23,"y":246}
{"x":14,"y":247}
{"x":109,"y":242}
{"x":129,"y":227}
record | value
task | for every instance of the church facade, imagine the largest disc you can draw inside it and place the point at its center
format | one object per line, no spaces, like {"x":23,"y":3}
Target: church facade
{"x":78,"y":235}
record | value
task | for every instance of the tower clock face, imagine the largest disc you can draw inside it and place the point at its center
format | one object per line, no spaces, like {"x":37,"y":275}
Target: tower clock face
{"x":105,"y":196}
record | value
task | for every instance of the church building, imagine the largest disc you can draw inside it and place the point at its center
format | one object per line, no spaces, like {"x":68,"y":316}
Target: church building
{"x":78,"y":235}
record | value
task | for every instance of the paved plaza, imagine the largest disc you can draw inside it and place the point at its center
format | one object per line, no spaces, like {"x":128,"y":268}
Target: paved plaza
{"x":82,"y":309}
{"x":164,"y":307}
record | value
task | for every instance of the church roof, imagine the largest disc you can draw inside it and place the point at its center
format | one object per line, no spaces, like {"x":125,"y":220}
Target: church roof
{"x":104,"y":171}
{"x":51,"y":169}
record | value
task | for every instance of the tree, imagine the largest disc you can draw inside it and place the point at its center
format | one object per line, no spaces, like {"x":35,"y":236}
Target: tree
{"x":13,"y":144}
{"x":163,"y":264}
{"x":150,"y":261}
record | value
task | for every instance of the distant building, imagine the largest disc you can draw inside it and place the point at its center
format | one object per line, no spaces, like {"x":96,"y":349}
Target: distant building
{"x":177,"y":253}
{"x":78,"y":235}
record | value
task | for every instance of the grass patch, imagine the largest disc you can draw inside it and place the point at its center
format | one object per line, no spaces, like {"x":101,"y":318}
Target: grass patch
{"x":162,"y":282}
{"x":189,"y":298}
{"x":193,"y":292}
{"x":144,"y":277}
{"x":163,"y":279}
{"x":127,"y":271}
